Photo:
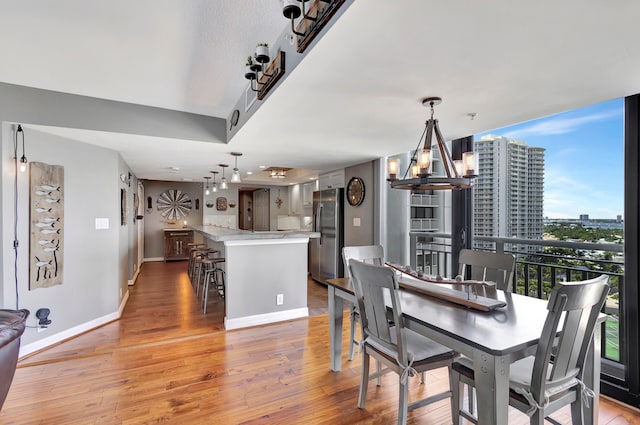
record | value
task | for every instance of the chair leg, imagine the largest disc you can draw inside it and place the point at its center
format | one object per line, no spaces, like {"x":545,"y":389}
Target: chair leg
{"x":403,"y":402}
{"x":379,"y":372}
{"x":577,"y":411}
{"x":537,"y":418}
{"x":364,"y":380}
{"x":220,"y":284}
{"x":352,"y":335}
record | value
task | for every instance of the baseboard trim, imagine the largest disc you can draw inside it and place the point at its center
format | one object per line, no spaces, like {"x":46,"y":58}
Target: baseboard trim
{"x":132,"y":281}
{"x":263,"y":319}
{"x":152,"y":259}
{"x":41,"y":344}
{"x":68,"y":333}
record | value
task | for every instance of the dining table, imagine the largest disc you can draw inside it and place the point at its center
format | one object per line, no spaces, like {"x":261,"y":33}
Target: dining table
{"x":492,"y":338}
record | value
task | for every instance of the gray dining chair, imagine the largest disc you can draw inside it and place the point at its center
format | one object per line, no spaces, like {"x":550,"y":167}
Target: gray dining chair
{"x":401,"y":350}
{"x":488,"y":266}
{"x":552,"y":378}
{"x":372,"y":254}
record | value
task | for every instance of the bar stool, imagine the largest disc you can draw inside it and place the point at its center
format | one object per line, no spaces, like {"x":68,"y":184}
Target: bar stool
{"x":196,"y":267}
{"x":193,"y":247}
{"x":213,"y":274}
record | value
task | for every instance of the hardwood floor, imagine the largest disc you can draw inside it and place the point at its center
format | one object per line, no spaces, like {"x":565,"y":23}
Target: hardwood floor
{"x":165,"y":362}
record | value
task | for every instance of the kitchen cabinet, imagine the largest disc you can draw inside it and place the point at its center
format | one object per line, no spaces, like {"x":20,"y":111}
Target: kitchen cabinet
{"x":176,"y":244}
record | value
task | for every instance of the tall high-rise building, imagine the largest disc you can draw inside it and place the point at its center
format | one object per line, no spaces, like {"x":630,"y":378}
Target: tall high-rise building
{"x":508,"y":194}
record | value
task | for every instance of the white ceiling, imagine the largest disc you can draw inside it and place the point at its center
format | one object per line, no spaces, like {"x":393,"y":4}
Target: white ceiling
{"x":354,"y":97}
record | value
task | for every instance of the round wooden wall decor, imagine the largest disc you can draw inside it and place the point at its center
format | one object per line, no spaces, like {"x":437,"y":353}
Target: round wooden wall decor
{"x":174,"y":204}
{"x":355,"y":191}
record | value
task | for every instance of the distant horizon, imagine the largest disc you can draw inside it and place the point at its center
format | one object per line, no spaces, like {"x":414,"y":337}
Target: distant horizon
{"x":584,"y":159}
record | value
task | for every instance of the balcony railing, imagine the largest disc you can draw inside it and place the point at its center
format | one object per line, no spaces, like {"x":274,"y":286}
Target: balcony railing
{"x":540,"y":265}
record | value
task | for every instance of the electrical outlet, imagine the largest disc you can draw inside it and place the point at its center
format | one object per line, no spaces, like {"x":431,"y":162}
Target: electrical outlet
{"x":39,"y":328}
{"x":279,"y":299}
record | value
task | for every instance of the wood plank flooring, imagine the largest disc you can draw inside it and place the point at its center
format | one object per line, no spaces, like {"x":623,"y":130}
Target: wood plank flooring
{"x":165,"y":362}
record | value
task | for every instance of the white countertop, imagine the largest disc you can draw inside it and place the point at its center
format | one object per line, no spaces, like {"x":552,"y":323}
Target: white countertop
{"x":217,"y":233}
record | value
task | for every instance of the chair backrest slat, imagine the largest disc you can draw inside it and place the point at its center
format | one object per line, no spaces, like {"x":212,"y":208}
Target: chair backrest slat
{"x":376,"y":286}
{"x":573,"y":311}
{"x":488,"y":266}
{"x":371,"y":254}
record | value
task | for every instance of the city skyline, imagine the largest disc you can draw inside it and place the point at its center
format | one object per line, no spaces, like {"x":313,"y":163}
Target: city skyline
{"x":584,"y":159}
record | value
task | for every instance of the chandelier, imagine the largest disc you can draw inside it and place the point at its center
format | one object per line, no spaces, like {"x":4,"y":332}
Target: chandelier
{"x":418,"y":175}
{"x":278,"y":174}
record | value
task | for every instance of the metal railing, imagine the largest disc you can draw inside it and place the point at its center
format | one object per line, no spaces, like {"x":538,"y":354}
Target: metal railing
{"x":540,"y":265}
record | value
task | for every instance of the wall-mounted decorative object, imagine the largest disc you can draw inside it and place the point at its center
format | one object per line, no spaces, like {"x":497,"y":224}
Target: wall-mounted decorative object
{"x":209,"y":204}
{"x":124,"y":208}
{"x":136,"y":207}
{"x":46,"y":187}
{"x":232,"y":204}
{"x":149,"y":204}
{"x":221,"y":203}
{"x":197,"y":204}
{"x":312,"y":22}
{"x":355,"y":191}
{"x":278,"y":200}
{"x":233,"y":120}
{"x":174,"y":204}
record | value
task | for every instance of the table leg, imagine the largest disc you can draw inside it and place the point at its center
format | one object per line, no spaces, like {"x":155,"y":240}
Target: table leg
{"x":335,"y":328}
{"x":492,"y":386}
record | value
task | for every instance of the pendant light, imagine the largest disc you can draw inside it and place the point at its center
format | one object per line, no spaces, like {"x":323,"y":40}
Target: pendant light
{"x":223,"y":181}
{"x":235,"y":177}
{"x":23,"y":159}
{"x":206,"y":191}
{"x":214,"y":186}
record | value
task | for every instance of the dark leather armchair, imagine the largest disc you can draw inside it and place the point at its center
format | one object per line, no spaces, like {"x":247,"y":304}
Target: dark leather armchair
{"x":12,"y":323}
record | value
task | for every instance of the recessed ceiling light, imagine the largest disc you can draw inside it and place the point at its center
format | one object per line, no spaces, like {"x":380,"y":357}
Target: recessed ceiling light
{"x":312,"y":178}
{"x":249,"y":172}
{"x":174,"y":168}
{"x":263,"y":166}
{"x":187,"y":180}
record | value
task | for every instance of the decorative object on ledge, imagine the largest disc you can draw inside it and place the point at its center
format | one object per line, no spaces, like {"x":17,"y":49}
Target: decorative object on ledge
{"x":459,"y":173}
{"x":320,"y":12}
{"x":265,"y":78}
{"x":174,"y":204}
{"x":235,"y":177}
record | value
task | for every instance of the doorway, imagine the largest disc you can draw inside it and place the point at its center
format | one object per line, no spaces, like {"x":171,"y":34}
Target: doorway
{"x":253,"y":212}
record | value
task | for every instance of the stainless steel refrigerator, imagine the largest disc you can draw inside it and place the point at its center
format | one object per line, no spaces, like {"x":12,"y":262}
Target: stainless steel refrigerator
{"x":325,"y":260}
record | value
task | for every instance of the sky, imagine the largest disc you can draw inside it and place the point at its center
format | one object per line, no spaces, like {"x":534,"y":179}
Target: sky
{"x":584,"y":159}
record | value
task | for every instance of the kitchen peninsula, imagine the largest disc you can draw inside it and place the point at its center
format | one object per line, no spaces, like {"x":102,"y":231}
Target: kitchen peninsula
{"x":262,"y":269}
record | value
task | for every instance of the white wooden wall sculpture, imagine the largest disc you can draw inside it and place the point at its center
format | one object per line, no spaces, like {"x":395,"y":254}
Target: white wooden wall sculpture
{"x":46,"y":199}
